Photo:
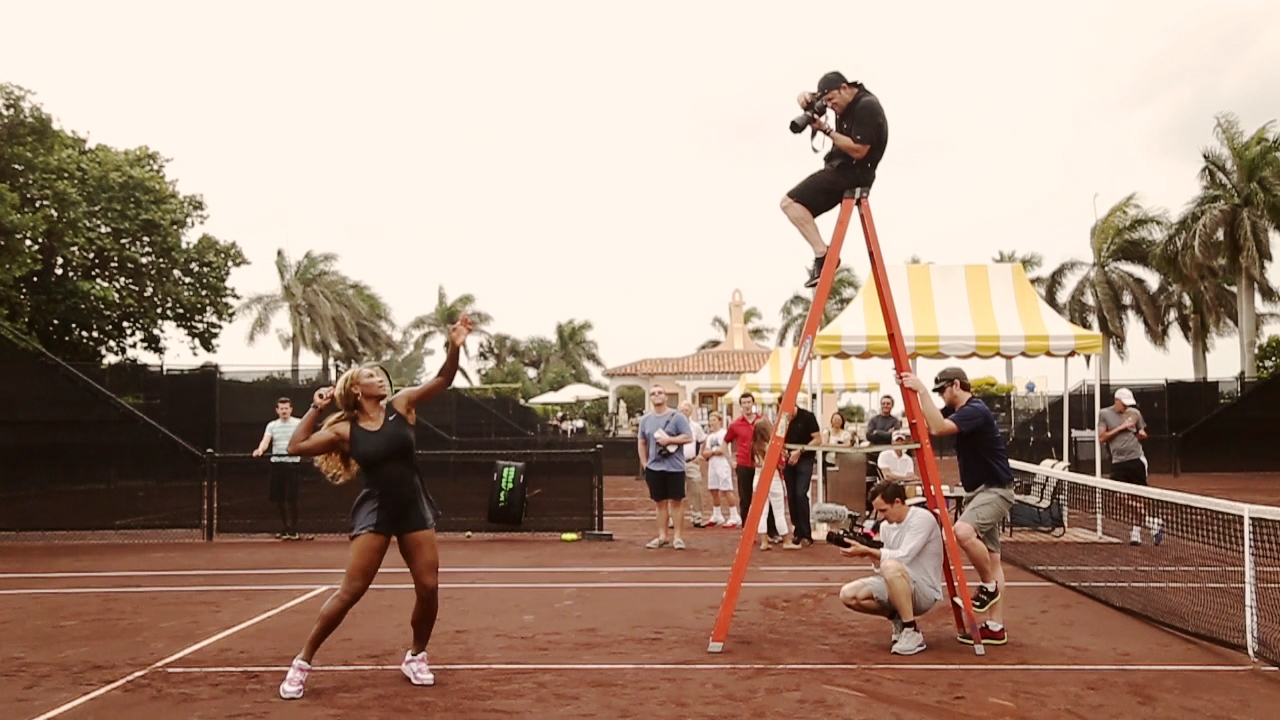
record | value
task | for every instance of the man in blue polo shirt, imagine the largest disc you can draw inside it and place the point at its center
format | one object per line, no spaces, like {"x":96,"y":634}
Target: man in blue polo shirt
{"x":988,"y":484}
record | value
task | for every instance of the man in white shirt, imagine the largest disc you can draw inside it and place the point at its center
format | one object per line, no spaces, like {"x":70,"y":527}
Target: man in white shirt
{"x":908,"y":579}
{"x":692,"y":472}
{"x":283,"y":489}
{"x":896,"y":464}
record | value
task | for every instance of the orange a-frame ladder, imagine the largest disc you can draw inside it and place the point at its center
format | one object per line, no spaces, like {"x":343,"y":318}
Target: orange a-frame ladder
{"x":957,"y":586}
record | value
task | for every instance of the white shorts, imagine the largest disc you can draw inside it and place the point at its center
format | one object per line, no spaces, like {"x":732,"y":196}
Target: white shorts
{"x":719,"y":476}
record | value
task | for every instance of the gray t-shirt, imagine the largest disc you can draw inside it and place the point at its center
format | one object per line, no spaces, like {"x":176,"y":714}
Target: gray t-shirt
{"x":1124,"y":446}
{"x":281,"y":431}
{"x":917,"y":544}
{"x":673,"y":423}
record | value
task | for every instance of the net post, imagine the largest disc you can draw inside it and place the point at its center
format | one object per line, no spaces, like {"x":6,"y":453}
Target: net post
{"x":1097,"y":510}
{"x":1250,"y":591}
{"x":208,"y":509}
{"x":786,"y":408}
{"x":597,"y":462}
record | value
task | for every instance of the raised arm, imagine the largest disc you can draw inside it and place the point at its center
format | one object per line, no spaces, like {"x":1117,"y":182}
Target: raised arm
{"x":938,"y":425}
{"x":306,"y":442}
{"x":408,"y":399}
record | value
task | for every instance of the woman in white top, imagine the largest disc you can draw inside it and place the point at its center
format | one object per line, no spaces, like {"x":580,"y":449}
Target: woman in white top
{"x":720,"y":475}
{"x":777,"y":498}
{"x":836,"y":434}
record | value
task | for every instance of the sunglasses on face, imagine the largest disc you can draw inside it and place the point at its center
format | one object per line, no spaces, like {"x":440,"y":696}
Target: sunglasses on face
{"x":941,"y":388}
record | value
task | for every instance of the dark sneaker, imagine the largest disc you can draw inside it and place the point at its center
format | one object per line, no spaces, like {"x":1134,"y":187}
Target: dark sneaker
{"x":989,"y":636}
{"x":815,"y":272}
{"x":983,"y":599}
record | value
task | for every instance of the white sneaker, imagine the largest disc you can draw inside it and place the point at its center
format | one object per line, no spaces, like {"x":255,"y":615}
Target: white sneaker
{"x":295,"y":681}
{"x":910,"y":642}
{"x":1135,"y":536}
{"x":415,"y":668}
{"x":898,"y":627}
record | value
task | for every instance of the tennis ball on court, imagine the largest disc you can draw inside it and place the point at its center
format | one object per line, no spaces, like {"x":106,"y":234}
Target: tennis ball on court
{"x":569,"y":536}
{"x":468,"y":533}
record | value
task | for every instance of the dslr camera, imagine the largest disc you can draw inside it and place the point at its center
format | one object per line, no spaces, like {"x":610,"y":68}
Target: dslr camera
{"x":845,"y":538}
{"x":813,"y":111}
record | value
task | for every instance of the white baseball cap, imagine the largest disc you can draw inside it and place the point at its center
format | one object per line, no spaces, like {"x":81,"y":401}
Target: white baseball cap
{"x":1125,"y":396}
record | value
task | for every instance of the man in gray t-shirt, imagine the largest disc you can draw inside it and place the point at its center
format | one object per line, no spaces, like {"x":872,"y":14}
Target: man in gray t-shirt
{"x":284,"y":475}
{"x":659,"y":443}
{"x":1122,"y":428}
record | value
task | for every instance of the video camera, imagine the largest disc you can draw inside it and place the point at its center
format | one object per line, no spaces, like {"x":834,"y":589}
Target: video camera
{"x":848,"y":529}
{"x":846,"y":538}
{"x":813,"y":111}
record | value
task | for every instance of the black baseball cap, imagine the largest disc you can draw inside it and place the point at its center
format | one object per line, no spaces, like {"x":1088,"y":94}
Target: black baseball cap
{"x":948,"y":376}
{"x":831,"y":81}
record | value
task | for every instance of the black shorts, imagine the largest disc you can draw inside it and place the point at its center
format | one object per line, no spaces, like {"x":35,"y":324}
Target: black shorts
{"x":665,"y":484}
{"x":392,"y":514}
{"x":825,"y":189}
{"x":284,"y":482}
{"x":1133,"y":472}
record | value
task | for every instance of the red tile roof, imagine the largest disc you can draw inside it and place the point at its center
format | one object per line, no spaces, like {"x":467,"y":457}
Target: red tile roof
{"x":700,"y":363}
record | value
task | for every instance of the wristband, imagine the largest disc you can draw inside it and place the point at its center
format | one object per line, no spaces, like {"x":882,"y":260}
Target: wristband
{"x":828,"y":132}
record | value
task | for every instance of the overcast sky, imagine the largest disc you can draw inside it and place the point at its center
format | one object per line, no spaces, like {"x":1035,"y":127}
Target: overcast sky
{"x":623,"y":164}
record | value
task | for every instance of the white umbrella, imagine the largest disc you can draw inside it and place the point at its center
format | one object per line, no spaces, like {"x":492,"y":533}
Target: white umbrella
{"x":551,"y":397}
{"x":581,"y":392}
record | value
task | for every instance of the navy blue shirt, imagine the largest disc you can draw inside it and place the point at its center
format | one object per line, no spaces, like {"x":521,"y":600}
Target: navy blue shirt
{"x":980,"y":449}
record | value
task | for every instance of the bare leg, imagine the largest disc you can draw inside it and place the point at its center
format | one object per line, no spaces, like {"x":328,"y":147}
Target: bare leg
{"x":663,"y":517}
{"x":422,"y":555}
{"x":857,"y":597}
{"x":975,"y":550}
{"x":800,"y":216}
{"x":677,"y":513}
{"x":363,"y":561}
{"x":899,"y":583}
{"x":996,"y":614}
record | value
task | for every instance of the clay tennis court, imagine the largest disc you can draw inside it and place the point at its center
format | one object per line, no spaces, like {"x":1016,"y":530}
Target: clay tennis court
{"x":536,"y":627}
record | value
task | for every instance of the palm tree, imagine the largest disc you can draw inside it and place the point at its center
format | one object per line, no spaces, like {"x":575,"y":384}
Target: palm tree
{"x":575,"y":348}
{"x":1110,"y":289}
{"x":1195,"y":294}
{"x":311,"y":291}
{"x":363,"y":332}
{"x":446,"y":312}
{"x":1030,"y":262}
{"x":1232,"y":219}
{"x":752,"y":318}
{"x":500,"y":349}
{"x":844,"y":287}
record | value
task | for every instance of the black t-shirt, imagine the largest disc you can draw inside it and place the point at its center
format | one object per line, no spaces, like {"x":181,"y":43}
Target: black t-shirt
{"x":801,"y":430}
{"x":980,"y":449}
{"x":863,"y":121}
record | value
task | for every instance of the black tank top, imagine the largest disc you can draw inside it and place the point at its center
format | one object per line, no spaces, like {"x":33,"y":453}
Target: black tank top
{"x":386,"y":455}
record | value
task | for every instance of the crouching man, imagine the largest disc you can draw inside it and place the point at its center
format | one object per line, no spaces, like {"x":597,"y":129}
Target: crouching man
{"x":908,"y":579}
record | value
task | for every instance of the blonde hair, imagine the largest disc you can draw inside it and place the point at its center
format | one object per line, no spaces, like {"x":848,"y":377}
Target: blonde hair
{"x":338,"y":466}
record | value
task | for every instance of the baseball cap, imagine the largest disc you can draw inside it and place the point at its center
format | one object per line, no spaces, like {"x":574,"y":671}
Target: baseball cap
{"x":831,"y":81}
{"x":1125,"y":396}
{"x":948,"y":376}
{"x":900,"y":435}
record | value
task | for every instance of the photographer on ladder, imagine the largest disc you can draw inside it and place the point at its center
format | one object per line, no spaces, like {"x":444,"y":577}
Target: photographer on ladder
{"x":857,"y":143}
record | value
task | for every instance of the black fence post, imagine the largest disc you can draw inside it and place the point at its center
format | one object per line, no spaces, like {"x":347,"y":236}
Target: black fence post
{"x":209,"y":513}
{"x":598,"y":462}
{"x":1175,"y":454}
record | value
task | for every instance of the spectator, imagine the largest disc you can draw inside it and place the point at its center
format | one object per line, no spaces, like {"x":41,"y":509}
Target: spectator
{"x":283,"y":489}
{"x":895,"y":464}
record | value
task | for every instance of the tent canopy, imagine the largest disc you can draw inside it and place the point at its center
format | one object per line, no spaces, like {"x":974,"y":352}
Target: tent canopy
{"x":569,"y":394}
{"x":957,"y":311}
{"x":835,"y":376}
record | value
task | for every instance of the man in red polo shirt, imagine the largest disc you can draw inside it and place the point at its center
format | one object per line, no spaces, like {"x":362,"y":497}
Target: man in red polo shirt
{"x":739,"y":435}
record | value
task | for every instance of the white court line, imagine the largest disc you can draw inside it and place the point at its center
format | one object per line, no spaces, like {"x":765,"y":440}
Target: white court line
{"x":981,"y":667}
{"x":177,"y":656}
{"x":466,"y":570}
{"x":444,"y":586}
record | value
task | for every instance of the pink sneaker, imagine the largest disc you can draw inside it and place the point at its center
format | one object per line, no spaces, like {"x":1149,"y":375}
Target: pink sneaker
{"x":415,"y":668}
{"x":295,"y":681}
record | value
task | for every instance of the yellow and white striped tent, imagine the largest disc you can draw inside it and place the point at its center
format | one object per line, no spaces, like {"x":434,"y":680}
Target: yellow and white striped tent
{"x":957,"y":311}
{"x":836,"y":376}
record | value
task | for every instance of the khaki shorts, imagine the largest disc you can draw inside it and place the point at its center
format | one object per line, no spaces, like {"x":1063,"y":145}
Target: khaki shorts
{"x":922,"y":598}
{"x":692,"y":473}
{"x":985,"y":509}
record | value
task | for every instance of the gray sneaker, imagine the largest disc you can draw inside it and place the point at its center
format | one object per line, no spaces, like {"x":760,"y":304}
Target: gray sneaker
{"x":897,"y":629}
{"x":909,"y":642}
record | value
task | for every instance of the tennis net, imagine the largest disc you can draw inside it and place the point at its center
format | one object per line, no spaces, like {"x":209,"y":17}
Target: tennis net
{"x":1202,"y":565}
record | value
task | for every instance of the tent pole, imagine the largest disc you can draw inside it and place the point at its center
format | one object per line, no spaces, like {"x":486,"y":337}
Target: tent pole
{"x":1097,"y":409}
{"x":1066,"y":410}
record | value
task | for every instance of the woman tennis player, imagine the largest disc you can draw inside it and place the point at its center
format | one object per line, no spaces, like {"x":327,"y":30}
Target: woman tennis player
{"x":373,"y":434}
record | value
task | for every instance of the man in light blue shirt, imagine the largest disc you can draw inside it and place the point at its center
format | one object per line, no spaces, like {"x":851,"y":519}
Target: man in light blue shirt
{"x":284,"y":467}
{"x":659,"y":443}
